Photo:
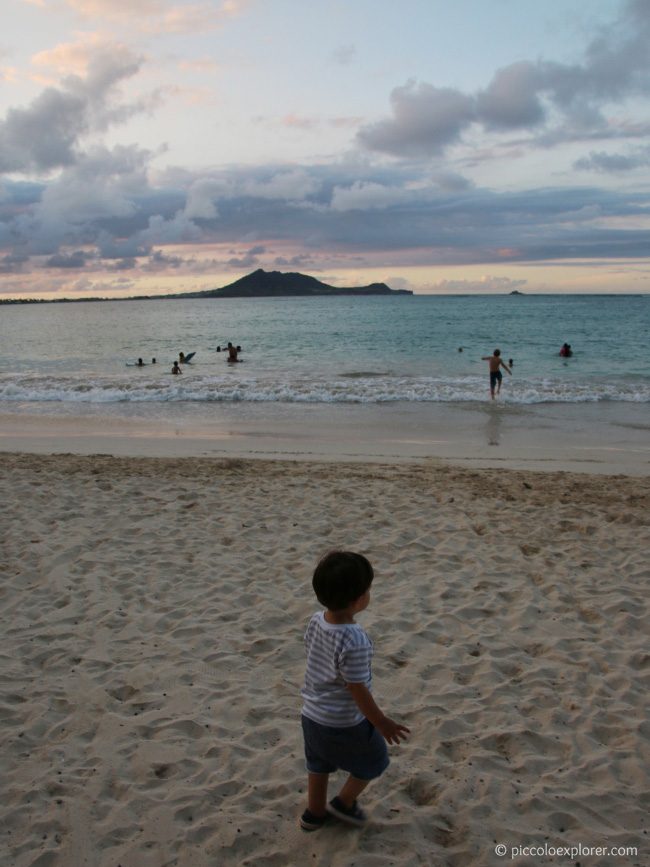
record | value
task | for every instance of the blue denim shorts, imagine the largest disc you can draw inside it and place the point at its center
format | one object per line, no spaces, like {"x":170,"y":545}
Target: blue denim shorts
{"x":360,"y":750}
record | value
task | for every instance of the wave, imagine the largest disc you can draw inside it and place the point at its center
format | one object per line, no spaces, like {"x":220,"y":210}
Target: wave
{"x":291,"y":389}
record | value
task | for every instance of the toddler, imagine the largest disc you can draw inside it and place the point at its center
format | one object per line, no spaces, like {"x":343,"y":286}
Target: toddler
{"x":343,"y":727}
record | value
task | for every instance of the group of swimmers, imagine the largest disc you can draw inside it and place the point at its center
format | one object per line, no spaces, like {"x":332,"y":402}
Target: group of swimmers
{"x":233,"y":352}
{"x":233,"y":357}
{"x":495,"y":363}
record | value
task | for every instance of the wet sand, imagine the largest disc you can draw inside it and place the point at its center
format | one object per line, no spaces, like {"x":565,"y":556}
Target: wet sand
{"x":596,"y":438}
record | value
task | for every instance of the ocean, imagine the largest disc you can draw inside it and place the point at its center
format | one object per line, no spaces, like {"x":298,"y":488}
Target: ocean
{"x":57,"y":358}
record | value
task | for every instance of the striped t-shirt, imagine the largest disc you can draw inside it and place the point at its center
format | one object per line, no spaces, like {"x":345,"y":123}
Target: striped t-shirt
{"x":336,"y":654}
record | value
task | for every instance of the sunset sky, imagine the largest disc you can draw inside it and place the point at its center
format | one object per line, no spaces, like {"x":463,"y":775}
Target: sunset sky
{"x":153,"y":146}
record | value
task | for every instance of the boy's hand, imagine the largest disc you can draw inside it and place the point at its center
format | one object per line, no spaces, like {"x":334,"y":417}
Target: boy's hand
{"x":393,"y":732}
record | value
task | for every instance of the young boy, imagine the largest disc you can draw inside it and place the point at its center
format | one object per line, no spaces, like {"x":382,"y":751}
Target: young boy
{"x":496,"y":376}
{"x":342,"y":726}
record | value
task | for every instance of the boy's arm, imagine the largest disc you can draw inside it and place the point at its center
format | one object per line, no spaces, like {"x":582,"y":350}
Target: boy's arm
{"x":392,"y":731}
{"x":505,"y":367}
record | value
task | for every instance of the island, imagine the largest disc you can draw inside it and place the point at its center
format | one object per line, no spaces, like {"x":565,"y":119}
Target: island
{"x":259,"y":284}
{"x":275,"y":284}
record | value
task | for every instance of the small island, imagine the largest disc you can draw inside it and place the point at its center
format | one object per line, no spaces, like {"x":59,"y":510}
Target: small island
{"x":275,"y":284}
{"x":259,"y":284}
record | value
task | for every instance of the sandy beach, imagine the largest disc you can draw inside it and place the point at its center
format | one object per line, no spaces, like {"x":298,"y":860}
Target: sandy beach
{"x":152,"y":620}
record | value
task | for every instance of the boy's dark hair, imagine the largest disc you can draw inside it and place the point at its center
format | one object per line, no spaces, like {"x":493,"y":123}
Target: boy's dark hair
{"x":340,"y":578}
{"x":497,"y":352}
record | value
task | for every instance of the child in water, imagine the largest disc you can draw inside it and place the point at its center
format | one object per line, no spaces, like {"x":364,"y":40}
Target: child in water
{"x":496,"y":362}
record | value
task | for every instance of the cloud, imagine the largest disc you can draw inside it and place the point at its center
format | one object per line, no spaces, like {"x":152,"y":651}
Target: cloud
{"x":160,"y":261}
{"x":614,"y":163}
{"x":426,"y":119}
{"x":47,"y":134}
{"x":302,"y":261}
{"x":44,"y":136}
{"x":249,"y":259}
{"x":366,"y":195}
{"x":70,"y":58}
{"x":117,"y":8}
{"x":78,"y":259}
{"x":292,"y":185}
{"x":450,"y":182}
{"x":201,"y":198}
{"x":178,"y":229}
{"x":102,"y":183}
{"x":512,"y":100}
{"x":13,"y":263}
{"x":560,"y":101}
{"x":159,"y":16}
{"x":119,"y":249}
{"x":109,"y":211}
{"x":8,"y":73}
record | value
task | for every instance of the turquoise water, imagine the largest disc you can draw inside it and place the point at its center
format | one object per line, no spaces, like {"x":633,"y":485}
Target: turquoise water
{"x":326,"y":350}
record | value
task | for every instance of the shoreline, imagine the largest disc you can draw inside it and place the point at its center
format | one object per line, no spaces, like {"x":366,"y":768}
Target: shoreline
{"x":606,"y":439}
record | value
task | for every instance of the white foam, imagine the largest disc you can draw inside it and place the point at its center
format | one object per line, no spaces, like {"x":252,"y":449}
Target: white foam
{"x":295,"y":389}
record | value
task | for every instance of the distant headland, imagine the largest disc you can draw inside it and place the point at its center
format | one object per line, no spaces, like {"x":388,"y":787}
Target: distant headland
{"x":259,"y":284}
{"x":265,"y":284}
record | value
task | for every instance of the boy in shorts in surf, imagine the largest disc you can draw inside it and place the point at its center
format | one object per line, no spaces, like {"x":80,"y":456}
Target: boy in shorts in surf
{"x":496,"y":362}
{"x":343,"y":728}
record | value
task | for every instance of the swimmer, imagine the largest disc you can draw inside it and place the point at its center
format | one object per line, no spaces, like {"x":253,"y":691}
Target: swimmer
{"x":496,"y":362}
{"x":176,"y":369}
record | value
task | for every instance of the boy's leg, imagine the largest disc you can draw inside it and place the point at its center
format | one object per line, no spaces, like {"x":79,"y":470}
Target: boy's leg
{"x":317,"y":793}
{"x":351,"y":790}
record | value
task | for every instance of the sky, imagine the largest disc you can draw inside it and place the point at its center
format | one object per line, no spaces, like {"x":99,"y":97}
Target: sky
{"x":159,"y":146}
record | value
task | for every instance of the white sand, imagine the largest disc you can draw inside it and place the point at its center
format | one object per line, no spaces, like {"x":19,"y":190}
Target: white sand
{"x":151,"y":659}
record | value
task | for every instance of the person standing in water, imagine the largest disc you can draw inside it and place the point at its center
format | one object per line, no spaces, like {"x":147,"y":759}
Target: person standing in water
{"x":496,"y":363}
